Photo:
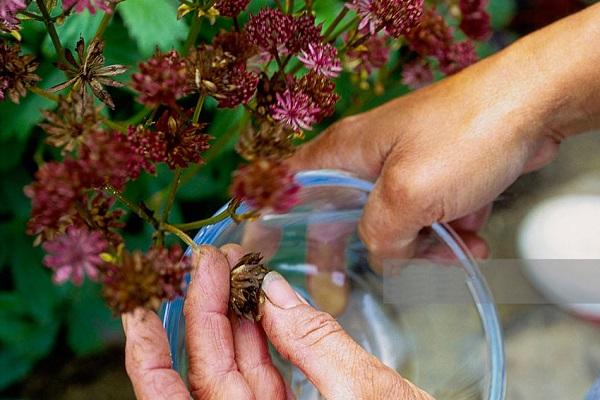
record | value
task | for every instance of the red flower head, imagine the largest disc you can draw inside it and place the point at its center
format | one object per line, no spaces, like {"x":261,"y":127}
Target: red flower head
{"x":322,"y":58}
{"x":396,"y":17}
{"x":295,"y":110}
{"x":265,"y":184}
{"x":8,"y":12}
{"x":269,"y":29}
{"x":75,"y":254}
{"x":162,"y":79}
{"x":459,"y":56}
{"x":90,"y":5}
{"x":432,"y":37}
{"x":231,"y":8}
{"x":475,"y":22}
{"x":305,"y":32}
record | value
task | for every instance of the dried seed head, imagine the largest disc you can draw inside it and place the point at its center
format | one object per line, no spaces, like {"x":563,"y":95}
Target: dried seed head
{"x":245,"y":294}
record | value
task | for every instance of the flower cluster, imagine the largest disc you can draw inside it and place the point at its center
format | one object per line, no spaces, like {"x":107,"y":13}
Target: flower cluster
{"x":370,"y":55}
{"x":396,"y":17}
{"x":90,"y":5}
{"x":8,"y":14}
{"x":231,"y":8}
{"x":17,"y":72}
{"x":475,"y":22}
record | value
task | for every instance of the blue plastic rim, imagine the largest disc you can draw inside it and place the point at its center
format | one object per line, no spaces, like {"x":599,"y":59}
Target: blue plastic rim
{"x":172,"y":311}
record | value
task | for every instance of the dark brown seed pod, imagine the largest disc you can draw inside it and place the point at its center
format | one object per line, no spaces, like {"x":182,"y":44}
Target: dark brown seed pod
{"x":245,"y":294}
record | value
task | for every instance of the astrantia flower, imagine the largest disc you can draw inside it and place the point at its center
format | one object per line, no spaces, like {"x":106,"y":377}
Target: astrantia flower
{"x":8,"y":12}
{"x":74,"y":118}
{"x":174,"y":140}
{"x":305,"y":32}
{"x":459,"y":56}
{"x":231,"y":8}
{"x":370,"y":55}
{"x":89,"y":70}
{"x":162,"y":79}
{"x":296,"y":110}
{"x":17,"y":72}
{"x":475,"y":21}
{"x":269,"y":29}
{"x":432,"y":37}
{"x":75,"y":254}
{"x":145,"y":280}
{"x":90,"y":5}
{"x":245,"y":292}
{"x":396,"y":17}
{"x":321,"y":58}
{"x":269,"y":141}
{"x":220,"y":74}
{"x":417,"y":74}
{"x":321,"y":91}
{"x":265,"y":184}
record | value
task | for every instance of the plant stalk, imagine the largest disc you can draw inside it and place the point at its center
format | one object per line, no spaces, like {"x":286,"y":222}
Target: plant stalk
{"x":60,"y":52}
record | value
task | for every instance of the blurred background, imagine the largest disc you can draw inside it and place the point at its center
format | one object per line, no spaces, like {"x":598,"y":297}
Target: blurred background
{"x":60,"y":342}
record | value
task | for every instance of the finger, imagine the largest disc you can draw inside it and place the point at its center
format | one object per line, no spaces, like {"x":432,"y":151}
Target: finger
{"x":326,"y":250}
{"x":148,"y":358}
{"x":317,"y":344}
{"x":251,"y":350}
{"x":474,"y":221}
{"x":213,"y":372}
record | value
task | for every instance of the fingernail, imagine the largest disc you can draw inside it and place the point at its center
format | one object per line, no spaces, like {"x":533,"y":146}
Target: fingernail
{"x":279,"y":291}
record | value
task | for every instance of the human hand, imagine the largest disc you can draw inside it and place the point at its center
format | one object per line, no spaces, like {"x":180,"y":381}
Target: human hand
{"x":445,"y":152}
{"x":229,"y":358}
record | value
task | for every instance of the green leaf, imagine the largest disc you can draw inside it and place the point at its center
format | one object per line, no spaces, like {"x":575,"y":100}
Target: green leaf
{"x":83,"y":24}
{"x":501,"y":12}
{"x":89,"y":321}
{"x":13,"y":366}
{"x":153,"y":23}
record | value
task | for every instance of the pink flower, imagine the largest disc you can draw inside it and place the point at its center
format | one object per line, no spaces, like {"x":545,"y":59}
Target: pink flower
{"x":8,"y":12}
{"x":265,"y":184}
{"x":396,"y":17}
{"x":475,"y":22}
{"x":295,"y":110}
{"x":321,"y":58}
{"x":75,"y":254}
{"x":459,"y":55}
{"x":373,"y":54}
{"x":162,"y":79}
{"x":305,"y":32}
{"x":417,"y":75}
{"x":90,"y":5}
{"x":269,"y":29}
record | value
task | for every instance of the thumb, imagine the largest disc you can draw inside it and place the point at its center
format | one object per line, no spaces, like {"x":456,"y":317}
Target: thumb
{"x":316,"y":343}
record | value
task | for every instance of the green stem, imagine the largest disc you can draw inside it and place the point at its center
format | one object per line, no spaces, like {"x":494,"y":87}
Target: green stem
{"x":114,"y":125}
{"x":43,"y":93}
{"x":180,"y":234}
{"x":138,"y":117}
{"x":343,"y":29}
{"x":60,"y":53}
{"x":290,"y":6}
{"x":335,"y":23}
{"x":143,"y":214}
{"x":204,"y":222}
{"x":192,"y":34}
{"x":199,"y":104}
{"x":32,"y":15}
{"x":171,"y":196}
{"x":103,"y":24}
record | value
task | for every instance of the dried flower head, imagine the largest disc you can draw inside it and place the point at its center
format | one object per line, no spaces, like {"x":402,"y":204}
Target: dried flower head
{"x":162,"y":79}
{"x":475,"y":21}
{"x":245,"y":294}
{"x":269,"y":29}
{"x":17,"y":72}
{"x":99,"y":215}
{"x":90,"y":5}
{"x":370,"y":55}
{"x":265,"y":184}
{"x":137,"y":279}
{"x":269,"y":141}
{"x":417,"y":74}
{"x":74,"y":119}
{"x":231,"y":8}
{"x":8,"y":12}
{"x":221,"y":75}
{"x":75,"y":254}
{"x":396,"y":17}
{"x":321,"y":58}
{"x":174,"y":140}
{"x":89,"y":70}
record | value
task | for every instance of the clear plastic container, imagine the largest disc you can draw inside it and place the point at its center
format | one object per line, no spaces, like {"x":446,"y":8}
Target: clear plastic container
{"x":433,"y":320}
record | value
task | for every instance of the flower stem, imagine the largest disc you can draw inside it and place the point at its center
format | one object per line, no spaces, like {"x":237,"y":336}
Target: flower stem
{"x":170,"y":200}
{"x":141,"y":212}
{"x":189,"y":226}
{"x":335,"y":23}
{"x":192,"y":34}
{"x":103,"y":24}
{"x":180,"y":234}
{"x":199,"y":104}
{"x":43,"y":93}
{"x":60,"y":53}
{"x":115,"y":125}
